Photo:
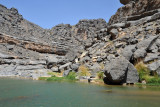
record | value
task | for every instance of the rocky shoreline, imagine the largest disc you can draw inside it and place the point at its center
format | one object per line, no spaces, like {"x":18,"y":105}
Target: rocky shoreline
{"x":115,"y":48}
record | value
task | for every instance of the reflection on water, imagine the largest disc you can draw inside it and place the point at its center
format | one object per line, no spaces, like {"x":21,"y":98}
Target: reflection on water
{"x":28,"y":93}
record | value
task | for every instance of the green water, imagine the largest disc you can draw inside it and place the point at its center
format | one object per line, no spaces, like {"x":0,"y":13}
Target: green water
{"x":28,"y":93}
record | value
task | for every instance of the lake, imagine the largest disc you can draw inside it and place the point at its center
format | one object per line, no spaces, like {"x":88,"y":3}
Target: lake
{"x":29,"y":93}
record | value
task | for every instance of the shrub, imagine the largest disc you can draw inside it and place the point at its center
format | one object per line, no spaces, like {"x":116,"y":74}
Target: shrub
{"x":152,"y":80}
{"x":43,"y":78}
{"x":142,"y":70}
{"x":71,"y":76}
{"x":100,"y":75}
{"x":55,"y":78}
{"x":159,"y":80}
{"x":144,"y":74}
{"x":83,"y":71}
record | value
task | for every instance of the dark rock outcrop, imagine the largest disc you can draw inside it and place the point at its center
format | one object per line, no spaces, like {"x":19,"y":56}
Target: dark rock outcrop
{"x":121,"y":71}
{"x":138,"y":8}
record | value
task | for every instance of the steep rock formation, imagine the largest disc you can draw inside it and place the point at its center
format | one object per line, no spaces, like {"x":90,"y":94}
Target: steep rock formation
{"x":133,"y":8}
{"x":23,"y":40}
{"x":28,"y":50}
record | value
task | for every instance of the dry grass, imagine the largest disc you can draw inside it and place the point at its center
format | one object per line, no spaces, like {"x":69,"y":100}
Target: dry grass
{"x":56,"y":74}
{"x":142,"y":70}
{"x":110,"y":43}
{"x":102,"y":66}
{"x":100,"y":75}
{"x":84,"y":71}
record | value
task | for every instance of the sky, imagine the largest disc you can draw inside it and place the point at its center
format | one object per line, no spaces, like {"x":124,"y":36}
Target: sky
{"x":48,"y":13}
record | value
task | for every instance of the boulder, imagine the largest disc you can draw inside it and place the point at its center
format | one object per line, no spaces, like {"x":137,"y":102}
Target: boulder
{"x":85,"y":59}
{"x":147,"y":43}
{"x":158,"y":71}
{"x":71,"y":55}
{"x":158,"y":42}
{"x":153,"y":48}
{"x":121,"y":71}
{"x":154,"y":66}
{"x":55,"y":69}
{"x":65,"y":66}
{"x":132,"y":74}
{"x":128,"y":52}
{"x":95,"y":68}
{"x":75,"y":67}
{"x":140,"y":53}
{"x":51,"y":61}
{"x":151,"y":57}
{"x":99,"y":59}
{"x":66,"y":72}
{"x":114,"y":33}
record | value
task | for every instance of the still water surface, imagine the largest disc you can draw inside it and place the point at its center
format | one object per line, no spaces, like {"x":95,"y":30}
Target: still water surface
{"x":28,"y":93}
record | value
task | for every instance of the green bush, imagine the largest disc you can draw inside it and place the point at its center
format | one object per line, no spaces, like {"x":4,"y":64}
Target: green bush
{"x":43,"y":78}
{"x":144,"y":74}
{"x":55,"y":78}
{"x":71,"y":76}
{"x":100,"y":75}
{"x":154,"y":80}
{"x":142,"y":70}
{"x":159,"y":80}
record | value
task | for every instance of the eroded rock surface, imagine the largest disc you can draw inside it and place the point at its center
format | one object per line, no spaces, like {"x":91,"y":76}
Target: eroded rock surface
{"x":132,"y":35}
{"x":135,"y":9}
{"x":121,"y":71}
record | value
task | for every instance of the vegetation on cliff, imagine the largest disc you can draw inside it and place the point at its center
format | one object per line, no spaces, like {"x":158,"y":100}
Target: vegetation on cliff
{"x":146,"y":76}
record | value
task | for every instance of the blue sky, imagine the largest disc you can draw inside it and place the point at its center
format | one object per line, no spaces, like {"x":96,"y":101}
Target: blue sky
{"x":48,"y":13}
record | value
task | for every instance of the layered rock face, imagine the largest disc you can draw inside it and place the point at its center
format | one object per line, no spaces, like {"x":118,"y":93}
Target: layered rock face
{"x":28,"y":50}
{"x":23,"y":42}
{"x":134,"y":31}
{"x":134,"y":9}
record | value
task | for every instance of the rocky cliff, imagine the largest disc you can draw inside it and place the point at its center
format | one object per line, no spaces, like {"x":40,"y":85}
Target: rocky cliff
{"x":134,"y":10}
{"x":28,"y":50}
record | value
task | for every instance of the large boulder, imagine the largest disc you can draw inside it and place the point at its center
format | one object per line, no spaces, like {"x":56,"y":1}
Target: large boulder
{"x":140,"y":53}
{"x":121,"y":71}
{"x":132,"y":75}
{"x":155,"y":67}
{"x":114,"y":33}
{"x":75,"y":67}
{"x":151,"y":57}
{"x":128,"y":51}
{"x":147,"y":43}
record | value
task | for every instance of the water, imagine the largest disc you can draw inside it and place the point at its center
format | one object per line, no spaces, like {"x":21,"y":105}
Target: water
{"x":28,"y":93}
